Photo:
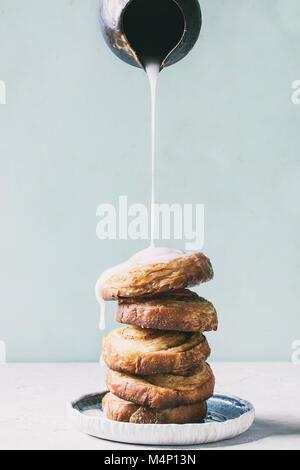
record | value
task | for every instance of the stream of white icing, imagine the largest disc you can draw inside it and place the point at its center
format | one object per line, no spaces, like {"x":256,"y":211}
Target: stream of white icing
{"x":152,"y":68}
{"x":150,"y":254}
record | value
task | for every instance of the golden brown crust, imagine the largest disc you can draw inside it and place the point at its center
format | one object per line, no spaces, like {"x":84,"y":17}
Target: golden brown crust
{"x":163,"y":391}
{"x":120,"y":410}
{"x":180,"y":310}
{"x":152,"y":278}
{"x":139,"y":351}
{"x":117,"y":409}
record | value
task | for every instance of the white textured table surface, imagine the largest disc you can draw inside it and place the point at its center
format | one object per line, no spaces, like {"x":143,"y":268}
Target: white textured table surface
{"x":33,"y":400}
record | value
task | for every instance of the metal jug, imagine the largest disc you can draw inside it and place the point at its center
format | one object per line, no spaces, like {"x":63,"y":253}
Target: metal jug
{"x":138,"y":29}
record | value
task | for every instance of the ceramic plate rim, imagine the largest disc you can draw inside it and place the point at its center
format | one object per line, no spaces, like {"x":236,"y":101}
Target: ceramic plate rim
{"x":197,"y":432}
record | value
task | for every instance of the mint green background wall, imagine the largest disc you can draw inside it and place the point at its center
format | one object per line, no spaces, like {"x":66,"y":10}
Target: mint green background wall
{"x":75,"y":133}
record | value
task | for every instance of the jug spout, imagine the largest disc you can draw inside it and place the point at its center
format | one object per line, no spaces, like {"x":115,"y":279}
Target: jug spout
{"x":163,"y":30}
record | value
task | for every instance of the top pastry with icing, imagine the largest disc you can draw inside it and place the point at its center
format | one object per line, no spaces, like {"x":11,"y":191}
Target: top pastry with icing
{"x":152,"y":271}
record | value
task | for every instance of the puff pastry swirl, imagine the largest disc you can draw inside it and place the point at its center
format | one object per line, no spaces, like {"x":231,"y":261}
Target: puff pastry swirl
{"x":153,"y":277}
{"x":180,"y":310}
{"x":163,"y":390}
{"x":121,"y":410}
{"x":139,"y":351}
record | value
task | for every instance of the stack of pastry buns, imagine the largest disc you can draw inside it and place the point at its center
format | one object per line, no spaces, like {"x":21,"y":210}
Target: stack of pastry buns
{"x":157,"y":370}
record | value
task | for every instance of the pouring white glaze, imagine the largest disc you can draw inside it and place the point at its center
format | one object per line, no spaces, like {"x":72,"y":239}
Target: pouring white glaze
{"x":152,"y":68}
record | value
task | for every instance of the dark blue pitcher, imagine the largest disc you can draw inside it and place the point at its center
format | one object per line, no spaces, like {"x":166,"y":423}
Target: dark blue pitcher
{"x":136,"y":30}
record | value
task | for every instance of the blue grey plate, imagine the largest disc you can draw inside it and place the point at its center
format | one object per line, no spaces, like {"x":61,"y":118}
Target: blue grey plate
{"x":224,"y":407}
{"x":227,"y":417}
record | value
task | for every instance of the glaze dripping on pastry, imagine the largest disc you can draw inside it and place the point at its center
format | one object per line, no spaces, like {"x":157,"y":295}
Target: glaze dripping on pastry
{"x":147,"y":256}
